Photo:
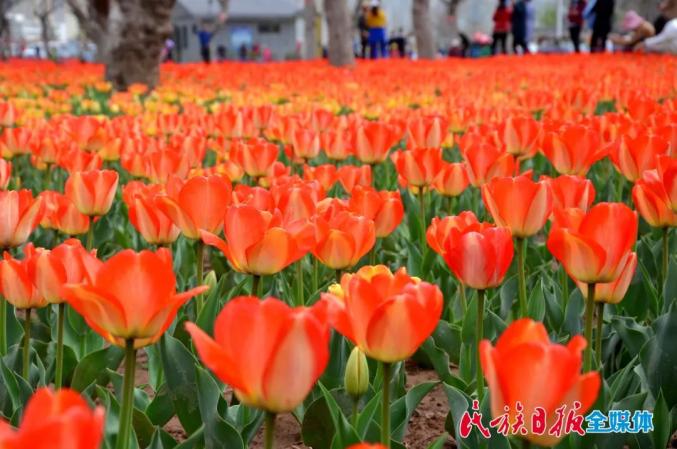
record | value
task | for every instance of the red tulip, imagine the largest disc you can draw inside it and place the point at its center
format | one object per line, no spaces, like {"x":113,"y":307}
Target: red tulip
{"x":55,"y":420}
{"x":269,"y":353}
{"x":571,"y":191}
{"x":667,"y":170}
{"x":595,"y":247}
{"x":21,"y":213}
{"x":305,"y":144}
{"x":5,"y":173}
{"x":524,"y":353}
{"x":479,"y":258}
{"x":197,"y":205}
{"x":573,"y":149}
{"x":518,"y":203}
{"x":419,"y":167}
{"x":451,"y":179}
{"x":61,"y":214}
{"x":343,"y":239}
{"x":426,"y":132}
{"x":324,"y":174}
{"x":387,"y":315}
{"x":632,"y":155}
{"x":255,"y":157}
{"x":384,"y":207}
{"x":350,"y":176}
{"x":16,"y":283}
{"x":337,"y":145}
{"x":485,"y":162}
{"x":613,"y":292}
{"x":440,"y":228}
{"x":374,"y":140}
{"x":521,"y":136}
{"x":132,"y":297}
{"x":652,"y":200}
{"x":92,"y":192}
{"x":153,"y":225}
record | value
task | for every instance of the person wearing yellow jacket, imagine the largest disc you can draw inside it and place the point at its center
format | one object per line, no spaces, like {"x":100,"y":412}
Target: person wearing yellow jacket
{"x":376,"y":23}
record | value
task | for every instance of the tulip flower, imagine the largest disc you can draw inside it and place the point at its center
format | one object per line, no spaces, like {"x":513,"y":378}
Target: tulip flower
{"x":593,"y":249}
{"x":523,"y":353}
{"x":305,"y":145}
{"x":451,"y":179}
{"x":55,"y":420}
{"x":523,"y":206}
{"x":387,"y":315}
{"x":521,"y":134}
{"x":384,"y":207}
{"x":5,"y":173}
{"x":255,"y":157}
{"x":269,"y":353}
{"x":153,"y":225}
{"x":337,"y":145}
{"x":426,"y":132}
{"x":325,"y":174}
{"x":343,"y":239}
{"x":350,"y":176}
{"x":68,"y":262}
{"x":667,"y":170}
{"x":485,"y":162}
{"x":61,"y":214}
{"x":573,"y":149}
{"x":440,"y":228}
{"x":21,"y":214}
{"x":419,"y":167}
{"x":131,"y":302}
{"x":373,"y":141}
{"x":571,"y":191}
{"x":633,"y":155}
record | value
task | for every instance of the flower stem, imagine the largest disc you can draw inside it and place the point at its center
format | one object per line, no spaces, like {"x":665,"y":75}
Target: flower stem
{"x":269,"y":432}
{"x":589,"y":309}
{"x":256,"y":280}
{"x":199,"y":260}
{"x":356,"y":413}
{"x":61,"y":312}
{"x":522,"y":280}
{"x":385,"y":405}
{"x":127,"y":396}
{"x":564,"y":283}
{"x":479,"y":334}
{"x":27,"y":345}
{"x":339,"y":272}
{"x":316,"y":274}
{"x":464,"y":301}
{"x":666,"y":255}
{"x":600,"y":323}
{"x":90,"y":235}
{"x":421,"y":205}
{"x":300,"y":300}
{"x":3,"y":326}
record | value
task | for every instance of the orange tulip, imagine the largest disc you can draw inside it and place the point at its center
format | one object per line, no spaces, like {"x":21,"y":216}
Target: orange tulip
{"x":62,"y":215}
{"x":419,"y":167}
{"x":14,"y":141}
{"x":325,"y":174}
{"x":595,"y":247}
{"x":613,"y":292}
{"x":440,"y":228}
{"x":68,"y":262}
{"x":652,"y":200}
{"x":197,"y":205}
{"x":485,"y":162}
{"x":373,"y":141}
{"x":426,"y":132}
{"x":518,"y":203}
{"x":296,"y":199}
{"x":160,"y":165}
{"x":350,"y":176}
{"x":255,"y":157}
{"x":571,"y":191}
{"x":269,"y":353}
{"x":451,"y":179}
{"x":153,"y":225}
{"x":55,"y":420}
{"x":667,"y":170}
{"x":633,"y":155}
{"x":73,"y":160}
{"x":479,"y":256}
{"x":257,"y":197}
{"x":305,"y":144}
{"x":132,"y":297}
{"x":337,"y":145}
{"x":524,"y":353}
{"x":387,"y":315}
{"x":573,"y":149}
{"x":92,"y":192}
{"x":256,"y":241}
{"x":343,"y":239}
{"x":5,"y":173}
{"x":16,"y":282}
{"x":384,"y":207}
{"x":521,"y":136}
{"x":21,"y":214}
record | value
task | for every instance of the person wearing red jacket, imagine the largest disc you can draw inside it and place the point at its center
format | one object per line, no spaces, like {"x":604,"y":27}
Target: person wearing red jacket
{"x":575,"y":17}
{"x":502,"y":23}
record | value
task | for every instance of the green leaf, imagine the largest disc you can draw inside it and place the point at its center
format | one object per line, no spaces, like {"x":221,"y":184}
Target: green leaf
{"x":634,"y":336}
{"x":338,"y":357}
{"x":161,"y":440}
{"x":661,"y":419}
{"x":345,"y":434}
{"x":659,"y":357}
{"x":401,"y":409}
{"x":439,"y":442}
{"x":161,"y":408}
{"x":179,"y":367}
{"x":217,"y":432}
{"x":536,"y":306}
{"x":317,"y":428}
{"x":92,"y":368}
{"x":18,"y":389}
{"x":459,"y":403}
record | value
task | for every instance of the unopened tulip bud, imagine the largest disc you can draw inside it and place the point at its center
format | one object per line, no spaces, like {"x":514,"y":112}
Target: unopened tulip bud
{"x":357,"y":374}
{"x":210,"y":280}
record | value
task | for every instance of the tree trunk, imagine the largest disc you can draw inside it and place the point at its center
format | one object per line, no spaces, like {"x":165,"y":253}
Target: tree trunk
{"x":340,"y":31}
{"x":136,"y":43}
{"x":310,"y":38}
{"x":45,"y":33}
{"x":423,"y":29}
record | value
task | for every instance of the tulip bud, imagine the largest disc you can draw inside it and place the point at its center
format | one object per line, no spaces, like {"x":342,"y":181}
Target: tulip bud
{"x":357,"y":374}
{"x":210,"y":280}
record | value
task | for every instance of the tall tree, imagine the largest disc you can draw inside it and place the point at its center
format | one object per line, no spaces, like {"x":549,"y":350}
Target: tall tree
{"x":5,"y":28}
{"x":423,"y":29}
{"x":129,"y":35}
{"x":340,"y":46}
{"x":43,"y":11}
{"x":309,"y":36}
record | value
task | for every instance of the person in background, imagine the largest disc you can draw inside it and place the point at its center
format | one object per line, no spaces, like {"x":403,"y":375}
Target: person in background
{"x":531,"y":20}
{"x":204,"y":35}
{"x":363,"y":30}
{"x":398,"y":43}
{"x":575,"y":17}
{"x":502,"y":21}
{"x":665,"y":42}
{"x":519,"y":27}
{"x":222,"y":53}
{"x":243,"y":52}
{"x":668,"y":10}
{"x":637,"y":29}
{"x":376,"y":22}
{"x":604,"y":12}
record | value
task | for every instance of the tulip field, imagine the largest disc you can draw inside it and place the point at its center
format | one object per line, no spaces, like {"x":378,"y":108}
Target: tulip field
{"x":294,"y":255}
